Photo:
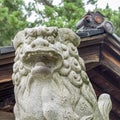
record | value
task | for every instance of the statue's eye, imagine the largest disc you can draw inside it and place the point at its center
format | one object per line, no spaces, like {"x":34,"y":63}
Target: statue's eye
{"x":51,"y":39}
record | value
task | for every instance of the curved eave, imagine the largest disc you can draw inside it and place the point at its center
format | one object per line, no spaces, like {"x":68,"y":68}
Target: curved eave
{"x":102,"y":49}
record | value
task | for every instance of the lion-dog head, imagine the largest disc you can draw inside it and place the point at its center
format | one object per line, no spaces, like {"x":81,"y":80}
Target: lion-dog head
{"x":49,"y":77}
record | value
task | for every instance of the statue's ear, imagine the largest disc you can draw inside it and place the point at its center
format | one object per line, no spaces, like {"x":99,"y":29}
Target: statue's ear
{"x":19,"y":39}
{"x":67,"y":36}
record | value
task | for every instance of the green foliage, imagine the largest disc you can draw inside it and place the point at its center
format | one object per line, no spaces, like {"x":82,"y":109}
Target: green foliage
{"x":64,"y":15}
{"x":68,"y":13}
{"x":14,"y":14}
{"x":11,"y":20}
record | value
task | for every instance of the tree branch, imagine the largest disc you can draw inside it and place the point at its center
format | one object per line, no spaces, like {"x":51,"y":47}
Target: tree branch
{"x":46,"y":2}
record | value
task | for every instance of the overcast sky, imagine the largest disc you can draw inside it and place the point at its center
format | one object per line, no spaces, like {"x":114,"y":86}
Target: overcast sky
{"x":114,"y":4}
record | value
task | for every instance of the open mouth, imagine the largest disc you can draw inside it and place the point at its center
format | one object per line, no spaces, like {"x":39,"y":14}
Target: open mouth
{"x":42,"y":57}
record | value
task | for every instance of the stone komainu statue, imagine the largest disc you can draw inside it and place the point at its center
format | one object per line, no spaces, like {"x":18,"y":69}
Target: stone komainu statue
{"x":50,"y":82}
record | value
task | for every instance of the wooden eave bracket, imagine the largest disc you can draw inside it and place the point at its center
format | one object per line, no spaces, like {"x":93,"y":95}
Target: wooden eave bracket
{"x":103,"y":50}
{"x":110,"y":54}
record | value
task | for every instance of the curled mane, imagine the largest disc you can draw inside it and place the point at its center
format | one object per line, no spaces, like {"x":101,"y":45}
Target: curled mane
{"x":49,"y":72}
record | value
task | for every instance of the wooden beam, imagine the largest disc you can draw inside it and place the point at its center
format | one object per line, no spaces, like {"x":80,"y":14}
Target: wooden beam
{"x":8,"y":55}
{"x":6,"y":61}
{"x":90,"y":54}
{"x":6,"y":116}
{"x":92,"y":40}
{"x":111,"y":40}
{"x":5,"y":75}
{"x":110,"y":62}
{"x":105,"y":85}
{"x":114,"y":112}
{"x":101,"y":85}
{"x":92,"y":65}
{"x":108,"y":75}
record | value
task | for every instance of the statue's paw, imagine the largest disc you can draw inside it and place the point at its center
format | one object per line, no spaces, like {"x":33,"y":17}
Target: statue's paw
{"x":105,"y":105}
{"x":90,"y":117}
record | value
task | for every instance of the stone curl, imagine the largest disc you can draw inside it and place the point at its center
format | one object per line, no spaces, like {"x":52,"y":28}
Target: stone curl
{"x":49,"y":78}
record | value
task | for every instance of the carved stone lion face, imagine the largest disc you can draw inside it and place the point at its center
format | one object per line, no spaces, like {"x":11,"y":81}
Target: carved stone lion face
{"x":44,"y":55}
{"x":49,"y":77}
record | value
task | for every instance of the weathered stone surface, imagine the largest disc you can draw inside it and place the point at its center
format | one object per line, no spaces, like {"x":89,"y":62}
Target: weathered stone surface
{"x":50,"y":82}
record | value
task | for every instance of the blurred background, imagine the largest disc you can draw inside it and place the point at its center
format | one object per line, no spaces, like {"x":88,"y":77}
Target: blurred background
{"x":15,"y":15}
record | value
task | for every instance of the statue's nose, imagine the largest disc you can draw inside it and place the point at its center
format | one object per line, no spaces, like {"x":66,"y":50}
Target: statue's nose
{"x":39,"y":42}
